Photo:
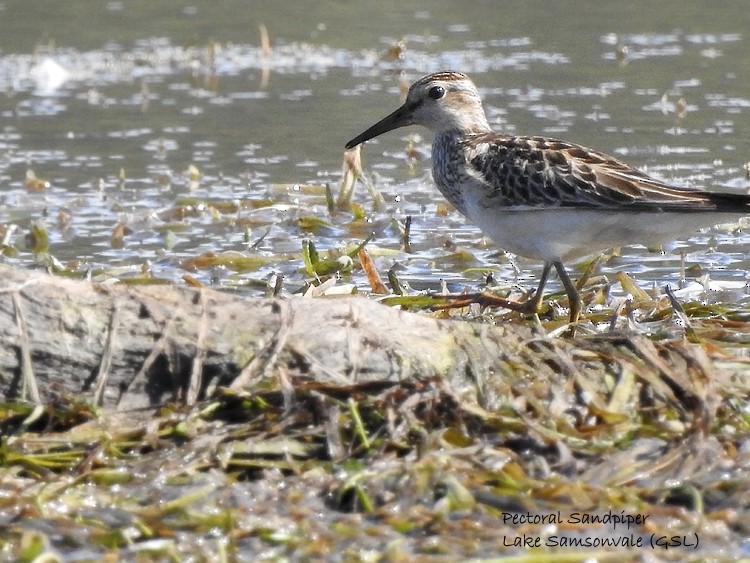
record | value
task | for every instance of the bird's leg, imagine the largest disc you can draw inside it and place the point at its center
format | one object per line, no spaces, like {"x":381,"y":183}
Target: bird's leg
{"x":533,"y":304}
{"x":573,"y":296}
{"x":530,"y":306}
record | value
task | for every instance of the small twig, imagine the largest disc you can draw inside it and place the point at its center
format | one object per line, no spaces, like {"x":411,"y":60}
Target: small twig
{"x":331,"y":413}
{"x":396,"y":286}
{"x":265,"y":52}
{"x":20,"y":287}
{"x":265,"y":40}
{"x":29,"y":387}
{"x":196,"y":376}
{"x":106,"y":361}
{"x":376,"y":283}
{"x":680,"y":312}
{"x":267,"y":356}
{"x":156,"y":351}
{"x":350,"y":169}
{"x":407,"y":234}
{"x":287,"y":389}
{"x":278,"y":285}
{"x":588,"y":272}
{"x":358,"y":424}
{"x":616,"y":313}
{"x":330,"y":201}
{"x":484,"y":299}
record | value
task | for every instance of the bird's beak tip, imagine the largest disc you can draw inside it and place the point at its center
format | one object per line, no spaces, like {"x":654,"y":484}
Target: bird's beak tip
{"x":399,"y":118}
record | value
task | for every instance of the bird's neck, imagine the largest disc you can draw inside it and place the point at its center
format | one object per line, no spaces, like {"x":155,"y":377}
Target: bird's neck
{"x":450,"y":140}
{"x":448,"y":166}
{"x":464,"y":129}
{"x":473,"y":121}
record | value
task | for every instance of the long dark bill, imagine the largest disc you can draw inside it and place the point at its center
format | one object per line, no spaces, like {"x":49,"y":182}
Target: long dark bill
{"x":399,"y":118}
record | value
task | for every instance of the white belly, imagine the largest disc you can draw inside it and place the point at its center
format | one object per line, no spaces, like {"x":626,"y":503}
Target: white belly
{"x":562,"y":234}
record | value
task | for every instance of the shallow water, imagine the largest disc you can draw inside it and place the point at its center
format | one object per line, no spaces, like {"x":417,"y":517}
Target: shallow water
{"x":111,"y":103}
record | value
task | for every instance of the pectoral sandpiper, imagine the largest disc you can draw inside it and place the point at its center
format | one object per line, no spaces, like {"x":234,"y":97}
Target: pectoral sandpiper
{"x":544,"y":198}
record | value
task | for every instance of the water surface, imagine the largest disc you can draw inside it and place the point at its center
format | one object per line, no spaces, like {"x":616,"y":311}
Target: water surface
{"x":111,"y":103}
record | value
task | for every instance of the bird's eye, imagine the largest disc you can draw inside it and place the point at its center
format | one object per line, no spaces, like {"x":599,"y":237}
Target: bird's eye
{"x":436,"y":92}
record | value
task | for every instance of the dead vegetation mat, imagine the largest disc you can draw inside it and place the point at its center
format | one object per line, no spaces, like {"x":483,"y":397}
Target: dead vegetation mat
{"x":559,"y":449}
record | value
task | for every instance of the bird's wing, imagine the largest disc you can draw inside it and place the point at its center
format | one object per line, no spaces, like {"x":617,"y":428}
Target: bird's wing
{"x":543,"y":172}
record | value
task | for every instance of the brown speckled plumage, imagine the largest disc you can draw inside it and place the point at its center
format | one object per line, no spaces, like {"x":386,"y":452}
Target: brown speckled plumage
{"x":541,"y":197}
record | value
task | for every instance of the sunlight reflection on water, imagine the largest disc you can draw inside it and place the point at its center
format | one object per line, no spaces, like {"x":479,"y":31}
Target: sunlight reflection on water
{"x":115,"y":129}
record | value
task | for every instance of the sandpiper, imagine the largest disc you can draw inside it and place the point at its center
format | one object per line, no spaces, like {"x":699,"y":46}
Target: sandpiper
{"x":541,"y":197}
